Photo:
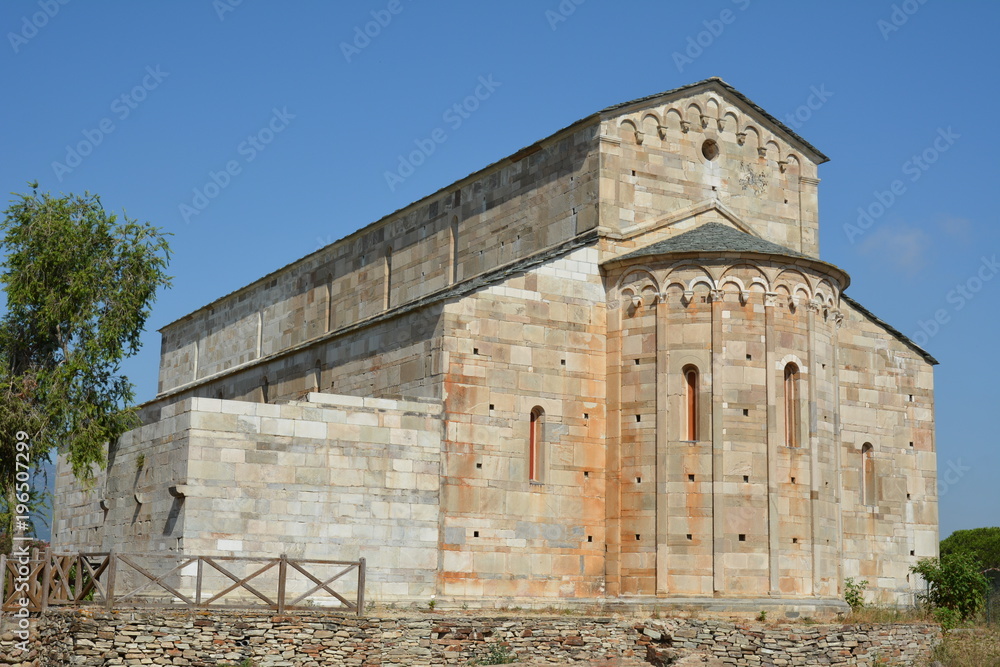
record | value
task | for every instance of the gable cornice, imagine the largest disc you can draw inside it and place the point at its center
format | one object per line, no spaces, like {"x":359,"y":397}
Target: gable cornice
{"x":681,"y":215}
{"x":726,"y":91}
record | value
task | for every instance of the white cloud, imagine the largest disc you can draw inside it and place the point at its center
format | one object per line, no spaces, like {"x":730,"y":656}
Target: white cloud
{"x":903,"y":247}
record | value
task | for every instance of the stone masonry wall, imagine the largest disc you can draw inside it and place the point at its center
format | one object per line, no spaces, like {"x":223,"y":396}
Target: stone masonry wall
{"x":89,"y":639}
{"x":520,"y":205}
{"x":887,"y":401}
{"x":332,"y":478}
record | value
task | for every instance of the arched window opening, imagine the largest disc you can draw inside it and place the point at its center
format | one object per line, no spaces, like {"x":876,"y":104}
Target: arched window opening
{"x":454,"y":249}
{"x":867,"y":474}
{"x":690,"y":430}
{"x":792,"y":422}
{"x":535,"y":436}
{"x":388,"y":277}
{"x":264,"y":391}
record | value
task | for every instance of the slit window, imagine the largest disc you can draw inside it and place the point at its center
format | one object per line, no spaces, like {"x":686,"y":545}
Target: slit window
{"x":792,"y":421}
{"x":867,"y":474}
{"x":690,"y":430}
{"x":388,"y":277}
{"x":535,"y":434}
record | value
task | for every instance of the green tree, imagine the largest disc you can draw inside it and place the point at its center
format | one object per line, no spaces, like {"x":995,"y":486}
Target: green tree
{"x":955,"y":582}
{"x":79,"y":286}
{"x":983,"y":543}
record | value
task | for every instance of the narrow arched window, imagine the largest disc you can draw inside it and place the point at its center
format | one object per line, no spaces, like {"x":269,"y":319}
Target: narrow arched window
{"x":867,"y":474}
{"x":317,"y":375}
{"x":690,"y":430}
{"x":388,"y":277}
{"x":792,"y":423}
{"x":264,"y":393}
{"x":454,"y":249}
{"x":535,"y":435}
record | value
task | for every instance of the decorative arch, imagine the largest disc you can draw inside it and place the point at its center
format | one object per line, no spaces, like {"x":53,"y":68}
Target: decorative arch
{"x":628,"y":129}
{"x":751,"y":130}
{"x":638,"y":276}
{"x":674,"y":114}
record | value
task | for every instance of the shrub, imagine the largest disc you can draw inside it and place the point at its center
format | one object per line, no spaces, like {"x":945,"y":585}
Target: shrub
{"x":854,"y":593}
{"x":500,"y":654}
{"x":955,"y":582}
{"x":948,"y":618}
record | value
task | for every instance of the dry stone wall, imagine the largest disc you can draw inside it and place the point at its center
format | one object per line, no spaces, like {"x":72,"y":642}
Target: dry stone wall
{"x":86,"y":639}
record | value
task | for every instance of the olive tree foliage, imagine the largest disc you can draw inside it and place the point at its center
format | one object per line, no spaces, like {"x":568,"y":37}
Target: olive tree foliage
{"x":79,"y":284}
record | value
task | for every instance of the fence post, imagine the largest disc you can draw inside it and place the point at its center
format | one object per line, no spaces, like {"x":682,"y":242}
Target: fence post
{"x":197,"y":589}
{"x":112,"y":566}
{"x":3,"y":586}
{"x":46,"y":581}
{"x":282,"y":571}
{"x":361,"y":586}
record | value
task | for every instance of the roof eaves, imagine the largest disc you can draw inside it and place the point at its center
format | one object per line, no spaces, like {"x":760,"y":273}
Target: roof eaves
{"x":888,"y":327}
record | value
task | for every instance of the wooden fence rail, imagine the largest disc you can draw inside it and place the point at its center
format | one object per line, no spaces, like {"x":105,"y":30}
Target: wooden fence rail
{"x":39,"y":581}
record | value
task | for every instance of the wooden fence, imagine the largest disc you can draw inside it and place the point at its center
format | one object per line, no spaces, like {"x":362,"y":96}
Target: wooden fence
{"x":40,"y":581}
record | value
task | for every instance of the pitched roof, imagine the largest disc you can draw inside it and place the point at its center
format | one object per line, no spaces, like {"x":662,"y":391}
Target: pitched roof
{"x":714,"y":237}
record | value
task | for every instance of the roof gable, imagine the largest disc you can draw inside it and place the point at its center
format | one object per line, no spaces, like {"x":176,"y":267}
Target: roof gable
{"x":733,"y":97}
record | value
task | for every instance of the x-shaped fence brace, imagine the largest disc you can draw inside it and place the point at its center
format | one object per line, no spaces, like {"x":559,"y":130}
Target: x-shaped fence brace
{"x":51,"y":580}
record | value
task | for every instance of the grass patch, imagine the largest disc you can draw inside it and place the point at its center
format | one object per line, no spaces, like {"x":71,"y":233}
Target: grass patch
{"x":970,"y":647}
{"x":874,"y":614}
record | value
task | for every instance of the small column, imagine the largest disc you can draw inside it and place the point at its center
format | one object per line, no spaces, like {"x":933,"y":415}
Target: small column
{"x":718,"y":500}
{"x":662,"y":429}
{"x":773,"y":441}
{"x":612,"y":558}
{"x":814,"y":487}
{"x":838,"y":321}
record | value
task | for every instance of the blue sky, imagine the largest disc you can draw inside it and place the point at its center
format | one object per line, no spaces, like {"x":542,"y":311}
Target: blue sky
{"x":255,"y":132}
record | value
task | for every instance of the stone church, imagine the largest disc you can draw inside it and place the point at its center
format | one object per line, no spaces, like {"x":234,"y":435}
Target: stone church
{"x":610,"y":366}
